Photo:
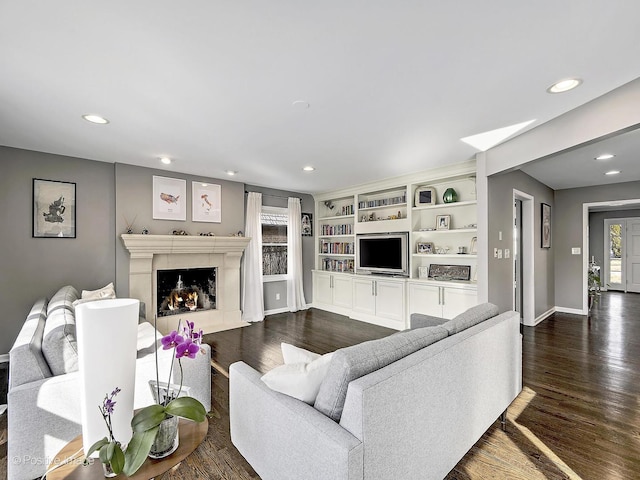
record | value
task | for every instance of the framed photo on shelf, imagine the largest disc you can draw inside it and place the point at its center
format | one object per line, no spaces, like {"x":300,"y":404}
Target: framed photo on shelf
{"x":54,"y":209}
{"x":449,"y":272}
{"x":169,"y":198}
{"x":545,"y":226}
{"x":423,"y":272}
{"x":425,"y":247}
{"x":425,"y":196}
{"x":443,"y":222}
{"x":306,"y":226}
{"x":206,"y":202}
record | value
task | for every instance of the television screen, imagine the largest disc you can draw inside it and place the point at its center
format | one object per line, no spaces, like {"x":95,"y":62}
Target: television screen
{"x":383,"y":253}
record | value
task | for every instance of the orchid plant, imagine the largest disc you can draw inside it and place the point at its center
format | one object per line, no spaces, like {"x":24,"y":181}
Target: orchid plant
{"x":110,"y":450}
{"x":185,"y":342}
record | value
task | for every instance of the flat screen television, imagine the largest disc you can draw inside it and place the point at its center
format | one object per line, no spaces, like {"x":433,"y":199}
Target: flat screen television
{"x":383,"y":253}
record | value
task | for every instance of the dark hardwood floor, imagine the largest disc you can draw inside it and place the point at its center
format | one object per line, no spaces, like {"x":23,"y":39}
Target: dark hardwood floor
{"x":578,"y":416}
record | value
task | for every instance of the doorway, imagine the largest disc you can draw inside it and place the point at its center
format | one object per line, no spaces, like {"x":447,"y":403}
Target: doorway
{"x":622,"y":254}
{"x":523,"y":268}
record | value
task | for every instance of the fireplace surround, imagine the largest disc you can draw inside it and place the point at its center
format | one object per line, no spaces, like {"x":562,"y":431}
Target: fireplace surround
{"x":150,"y":253}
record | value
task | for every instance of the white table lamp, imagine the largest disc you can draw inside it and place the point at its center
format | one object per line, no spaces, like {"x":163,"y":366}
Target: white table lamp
{"x":107,"y":332}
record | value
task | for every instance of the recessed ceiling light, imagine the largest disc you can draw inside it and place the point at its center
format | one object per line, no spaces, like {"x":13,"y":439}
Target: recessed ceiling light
{"x":308,"y":168}
{"x":564,"y":85}
{"x":484,"y":141}
{"x":301,"y":104}
{"x":231,"y":173}
{"x":605,"y":156}
{"x":95,"y":119}
{"x":165,"y":160}
{"x":613,"y":172}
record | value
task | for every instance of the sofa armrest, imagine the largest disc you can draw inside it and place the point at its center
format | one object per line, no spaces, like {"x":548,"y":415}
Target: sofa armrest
{"x":420,"y":320}
{"x":43,"y":418}
{"x":283,"y":438}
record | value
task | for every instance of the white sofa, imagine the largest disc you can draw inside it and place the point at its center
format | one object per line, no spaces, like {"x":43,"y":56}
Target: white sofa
{"x":43,"y":398}
{"x":404,"y":418}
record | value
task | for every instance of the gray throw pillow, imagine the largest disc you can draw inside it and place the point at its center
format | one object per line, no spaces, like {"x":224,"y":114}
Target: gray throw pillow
{"x":59,"y":345}
{"x":471,"y":317}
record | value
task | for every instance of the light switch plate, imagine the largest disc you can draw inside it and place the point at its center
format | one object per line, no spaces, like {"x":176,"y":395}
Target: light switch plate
{"x":499,"y":253}
{"x":575,"y":251}
{"x":506,"y":253}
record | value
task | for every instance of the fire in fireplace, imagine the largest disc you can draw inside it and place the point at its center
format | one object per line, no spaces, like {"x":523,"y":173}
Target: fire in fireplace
{"x":186,"y":290}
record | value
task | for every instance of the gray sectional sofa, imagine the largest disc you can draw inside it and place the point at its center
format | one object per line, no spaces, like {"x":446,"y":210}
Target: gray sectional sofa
{"x":404,"y":407}
{"x":43,"y":397}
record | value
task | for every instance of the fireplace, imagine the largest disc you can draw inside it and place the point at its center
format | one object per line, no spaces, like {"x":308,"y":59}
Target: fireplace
{"x":185,"y":290}
{"x":152,"y":253}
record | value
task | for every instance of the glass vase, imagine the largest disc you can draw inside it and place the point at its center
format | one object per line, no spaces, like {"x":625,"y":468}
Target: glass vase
{"x":167,"y":439}
{"x":108,"y":472}
{"x":450,"y":196}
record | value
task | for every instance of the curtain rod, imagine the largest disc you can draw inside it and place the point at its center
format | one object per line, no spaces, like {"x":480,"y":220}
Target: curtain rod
{"x":275,"y":196}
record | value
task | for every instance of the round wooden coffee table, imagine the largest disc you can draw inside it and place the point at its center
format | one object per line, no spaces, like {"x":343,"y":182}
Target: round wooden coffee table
{"x":191,"y":435}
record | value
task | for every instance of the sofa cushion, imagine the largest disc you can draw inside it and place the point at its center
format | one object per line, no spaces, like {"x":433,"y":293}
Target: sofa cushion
{"x":471,"y":317}
{"x":301,"y":375}
{"x":63,"y":299}
{"x":354,"y":362}
{"x":26,"y":361}
{"x":105,"y":292}
{"x":59,"y":345}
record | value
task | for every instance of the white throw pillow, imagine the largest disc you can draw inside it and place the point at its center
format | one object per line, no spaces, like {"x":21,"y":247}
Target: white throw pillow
{"x":299,"y":380}
{"x":105,"y":292}
{"x":293,"y":354}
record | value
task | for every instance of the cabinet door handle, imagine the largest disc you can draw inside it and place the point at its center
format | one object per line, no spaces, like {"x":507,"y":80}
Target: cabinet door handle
{"x":373,"y":289}
{"x":331,"y":281}
{"x":442,"y":295}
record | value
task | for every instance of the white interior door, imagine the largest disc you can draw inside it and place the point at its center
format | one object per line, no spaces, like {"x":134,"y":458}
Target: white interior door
{"x":633,"y":255}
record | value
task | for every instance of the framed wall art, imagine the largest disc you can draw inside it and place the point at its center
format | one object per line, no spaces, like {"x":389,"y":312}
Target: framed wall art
{"x":169,"y":198}
{"x":54,"y":209}
{"x":307,"y":225}
{"x":206,"y":202}
{"x":545,"y":226}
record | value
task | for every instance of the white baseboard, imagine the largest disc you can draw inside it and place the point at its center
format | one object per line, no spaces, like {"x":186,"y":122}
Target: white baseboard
{"x":276,"y":310}
{"x":575,"y":311}
{"x":4,"y":357}
{"x":546,"y":314}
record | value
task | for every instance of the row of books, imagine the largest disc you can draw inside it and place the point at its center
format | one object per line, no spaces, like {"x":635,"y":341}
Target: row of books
{"x":383,"y":202}
{"x":343,"y":248}
{"x":337,"y":229}
{"x":333,"y":265}
{"x":346,"y":210}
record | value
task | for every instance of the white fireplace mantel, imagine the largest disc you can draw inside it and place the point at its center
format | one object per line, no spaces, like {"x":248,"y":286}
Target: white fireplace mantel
{"x":149,"y":253}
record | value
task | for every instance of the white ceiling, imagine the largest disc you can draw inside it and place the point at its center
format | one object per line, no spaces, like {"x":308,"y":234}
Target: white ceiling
{"x":392,"y":86}
{"x":578,"y":167}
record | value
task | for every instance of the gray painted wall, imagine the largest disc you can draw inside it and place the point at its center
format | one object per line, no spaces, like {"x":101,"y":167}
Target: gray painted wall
{"x":596,"y":231}
{"x":568,"y":233}
{"x":134,"y":187}
{"x":278,"y":198}
{"x":36,"y":267}
{"x":500,"y":206}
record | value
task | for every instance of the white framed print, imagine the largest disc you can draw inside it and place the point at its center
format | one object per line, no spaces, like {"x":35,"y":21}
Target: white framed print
{"x":206,"y":202}
{"x":169,"y":198}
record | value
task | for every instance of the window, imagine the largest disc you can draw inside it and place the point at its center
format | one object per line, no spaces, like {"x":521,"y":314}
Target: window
{"x":274,"y":241}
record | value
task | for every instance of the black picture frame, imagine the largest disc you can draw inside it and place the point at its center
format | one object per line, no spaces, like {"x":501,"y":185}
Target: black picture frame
{"x":54,"y":209}
{"x":545,"y":225}
{"x":306,"y":224}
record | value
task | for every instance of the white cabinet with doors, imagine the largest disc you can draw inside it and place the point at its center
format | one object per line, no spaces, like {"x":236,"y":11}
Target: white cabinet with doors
{"x":440,"y":300}
{"x":379,"y":300}
{"x":333,"y":291}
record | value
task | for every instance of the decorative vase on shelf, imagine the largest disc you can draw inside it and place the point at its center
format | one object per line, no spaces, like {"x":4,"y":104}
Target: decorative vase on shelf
{"x":167,"y":439}
{"x":450,"y":196}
